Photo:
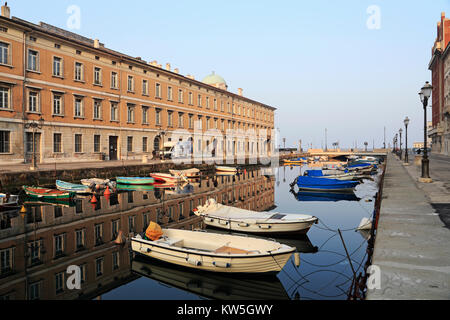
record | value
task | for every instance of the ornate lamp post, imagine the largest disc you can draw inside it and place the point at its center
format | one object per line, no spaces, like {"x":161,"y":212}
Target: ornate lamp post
{"x":34,"y":126}
{"x":400,"y":132}
{"x":425,"y":95}
{"x":406,"y":122}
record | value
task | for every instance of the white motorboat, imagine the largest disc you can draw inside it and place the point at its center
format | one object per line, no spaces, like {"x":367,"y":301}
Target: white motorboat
{"x":8,"y":202}
{"x":215,"y":252}
{"x":222,"y":169}
{"x":96,"y":183}
{"x":241,"y":220}
{"x":190,"y":173}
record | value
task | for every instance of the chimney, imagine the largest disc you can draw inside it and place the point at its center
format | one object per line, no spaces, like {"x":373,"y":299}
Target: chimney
{"x":176,"y":70}
{"x":240,"y":92}
{"x":159,"y":66}
{"x":96,"y":43}
{"x":168,"y":66}
{"x":6,"y":11}
{"x":154,"y":63}
{"x":190,"y":77}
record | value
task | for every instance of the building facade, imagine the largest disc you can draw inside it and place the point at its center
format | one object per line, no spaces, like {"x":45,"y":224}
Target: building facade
{"x":440,"y":69}
{"x":67,"y":98}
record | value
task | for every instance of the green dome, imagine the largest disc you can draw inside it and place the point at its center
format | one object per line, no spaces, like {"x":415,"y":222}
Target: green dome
{"x":214,"y":79}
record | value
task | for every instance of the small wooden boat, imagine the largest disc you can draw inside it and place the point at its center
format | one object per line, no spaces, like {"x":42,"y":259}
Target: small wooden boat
{"x":49,"y":194}
{"x":222,"y":169}
{"x":240,"y":220}
{"x":71,"y":187}
{"x":96,"y":183}
{"x":135,"y":180}
{"x":8,"y":202}
{"x":191,"y":173}
{"x":215,"y":252}
{"x":324,"y":184}
{"x":167,"y":178}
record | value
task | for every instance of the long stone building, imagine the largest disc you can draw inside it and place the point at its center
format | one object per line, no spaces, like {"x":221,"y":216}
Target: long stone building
{"x":440,"y":68}
{"x":67,"y":98}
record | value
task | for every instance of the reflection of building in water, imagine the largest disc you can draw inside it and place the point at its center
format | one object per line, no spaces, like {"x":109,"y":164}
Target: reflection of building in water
{"x":36,"y":248}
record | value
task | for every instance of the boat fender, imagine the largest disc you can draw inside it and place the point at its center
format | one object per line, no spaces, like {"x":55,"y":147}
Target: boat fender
{"x":209,"y":220}
{"x":193,"y":262}
{"x":225,"y":223}
{"x":145,"y":250}
{"x":220,"y":264}
{"x":297,"y":259}
{"x":243,"y":225}
{"x":265,"y":226}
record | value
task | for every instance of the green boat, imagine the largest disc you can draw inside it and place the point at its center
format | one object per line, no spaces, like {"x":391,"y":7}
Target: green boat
{"x":49,"y":194}
{"x":135,"y":181}
{"x":125,"y":187}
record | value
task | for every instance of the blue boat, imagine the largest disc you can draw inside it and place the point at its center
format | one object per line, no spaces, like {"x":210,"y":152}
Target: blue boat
{"x":309,"y":196}
{"x":324,"y":184}
{"x":71,"y":187}
{"x":135,"y":180}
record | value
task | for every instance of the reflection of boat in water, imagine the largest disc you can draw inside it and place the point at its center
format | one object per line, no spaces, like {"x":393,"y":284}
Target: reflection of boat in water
{"x":125,"y":187}
{"x":211,"y":285}
{"x":309,"y":196}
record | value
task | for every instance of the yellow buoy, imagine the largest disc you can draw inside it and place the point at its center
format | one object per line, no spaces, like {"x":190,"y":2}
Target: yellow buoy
{"x":23,"y":210}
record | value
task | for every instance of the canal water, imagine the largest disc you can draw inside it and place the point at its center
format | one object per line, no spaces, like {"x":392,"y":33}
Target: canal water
{"x":38,"y":246}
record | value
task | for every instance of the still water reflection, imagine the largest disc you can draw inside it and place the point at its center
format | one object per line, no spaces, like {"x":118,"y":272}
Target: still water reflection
{"x":37,"y":247}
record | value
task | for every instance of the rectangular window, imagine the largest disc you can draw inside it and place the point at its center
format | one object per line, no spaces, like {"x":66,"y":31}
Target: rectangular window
{"x":4,"y":53}
{"x":145,"y":87}
{"x":35,"y":291}
{"x":180,"y":120}
{"x":97,"y":76}
{"x":57,"y":104}
{"x":191,"y":98}
{"x":207,"y":102}
{"x":79,"y":71}
{"x":33,"y":60}
{"x":5,"y":142}
{"x":59,"y":245}
{"x":130,"y":84}
{"x":215,"y":104}
{"x":78,"y":143}
{"x":145,"y":115}
{"x":83,"y":273}
{"x":131,"y":224}
{"x":199,"y":101}
{"x":114,"y":81}
{"x":78,"y":112}
{"x":33,"y":101}
{"x":80,"y":237}
{"x":130,"y":144}
{"x":115,"y":260}
{"x":170,"y":118}
{"x":158,"y":90}
{"x":115,"y":229}
{"x":180,"y":96}
{"x":114,"y":112}
{"x":158,"y":117}
{"x":98,"y":233}
{"x":6,"y":261}
{"x":130,"y":113}
{"x":35,"y":252}
{"x":99,"y":267}
{"x":57,"y":67}
{"x":59,"y":282}
{"x":144,"y":144}
{"x":222,"y":106}
{"x":191,"y":121}
{"x":57,"y":137}
{"x":4,"y":98}
{"x":97,"y":143}
{"x":97,"y":109}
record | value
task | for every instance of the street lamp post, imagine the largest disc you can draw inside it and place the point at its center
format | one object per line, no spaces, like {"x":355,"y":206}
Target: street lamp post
{"x":34,"y":126}
{"x":366,"y":144}
{"x":406,"y":122}
{"x":425,"y":94}
{"x":401,"y":152}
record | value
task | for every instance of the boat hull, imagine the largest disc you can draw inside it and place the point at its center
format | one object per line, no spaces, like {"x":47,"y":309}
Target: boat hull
{"x":48,"y":194}
{"x":136,"y":181}
{"x":165,"y":178}
{"x":213,"y":260}
{"x":69,"y":187}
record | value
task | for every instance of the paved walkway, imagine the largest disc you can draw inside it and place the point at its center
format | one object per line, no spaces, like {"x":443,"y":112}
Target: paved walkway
{"x":412,"y":247}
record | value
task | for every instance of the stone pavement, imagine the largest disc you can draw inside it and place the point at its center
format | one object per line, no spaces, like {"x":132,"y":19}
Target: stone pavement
{"x":412,"y":248}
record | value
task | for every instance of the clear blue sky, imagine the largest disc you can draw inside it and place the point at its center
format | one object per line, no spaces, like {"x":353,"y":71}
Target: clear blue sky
{"x":316,"y":61}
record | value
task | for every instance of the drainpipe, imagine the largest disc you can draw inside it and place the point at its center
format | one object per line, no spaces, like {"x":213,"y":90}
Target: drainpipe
{"x":24,"y":116}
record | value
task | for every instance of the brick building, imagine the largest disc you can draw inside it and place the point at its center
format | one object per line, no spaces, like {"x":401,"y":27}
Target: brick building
{"x":67,"y":98}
